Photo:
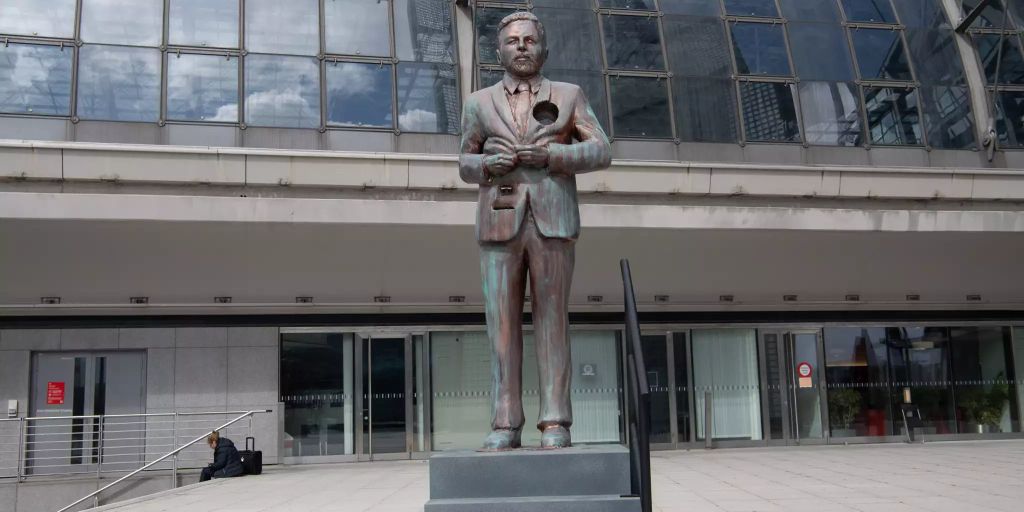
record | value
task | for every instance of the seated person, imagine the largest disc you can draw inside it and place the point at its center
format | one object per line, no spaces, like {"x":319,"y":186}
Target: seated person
{"x":226,"y":460}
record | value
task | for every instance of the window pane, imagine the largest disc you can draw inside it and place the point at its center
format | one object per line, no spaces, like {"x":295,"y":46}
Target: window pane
{"x":572,"y":38}
{"x":991,"y":16}
{"x":880,"y":54}
{"x":592,"y":83}
{"x":282,"y":91}
{"x":809,"y":10}
{"x":705,"y":109}
{"x":52,"y":18}
{"x":947,"y":114}
{"x":922,"y":13}
{"x":935,"y":56}
{"x":565,"y":4}
{"x":810,"y":41}
{"x":1011,"y":68}
{"x":760,"y":49}
{"x":1010,"y":126}
{"x":202,"y":88}
{"x":632,"y":42}
{"x":831,"y":113}
{"x":487,"y":19}
{"x":725,"y":363}
{"x":877,"y":11}
{"x":985,"y":395}
{"x":697,"y":47}
{"x":423,"y":31}
{"x":691,"y":7}
{"x":359,"y":95}
{"x":428,"y":98}
{"x":272,"y":26}
{"x":892,"y":115}
{"x":118,"y":84}
{"x":640,"y":107}
{"x":655,"y":355}
{"x":204,"y":23}
{"x":769,"y":114}
{"x":35,"y":79}
{"x":857,"y":372}
{"x":919,"y":359}
{"x":643,"y":5}
{"x":357,"y":27}
{"x":764,"y":8}
{"x":489,"y":77}
{"x":135,"y":22}
{"x":317,"y":388}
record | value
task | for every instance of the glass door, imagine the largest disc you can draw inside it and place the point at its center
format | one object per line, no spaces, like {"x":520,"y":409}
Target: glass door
{"x":795,"y":384}
{"x":386,"y":397}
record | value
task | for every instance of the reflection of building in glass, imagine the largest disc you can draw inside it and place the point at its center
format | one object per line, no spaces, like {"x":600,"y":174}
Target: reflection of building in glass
{"x":768,"y":111}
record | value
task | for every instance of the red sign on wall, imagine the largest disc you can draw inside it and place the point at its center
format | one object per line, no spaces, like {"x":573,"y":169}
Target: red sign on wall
{"x":54,"y":393}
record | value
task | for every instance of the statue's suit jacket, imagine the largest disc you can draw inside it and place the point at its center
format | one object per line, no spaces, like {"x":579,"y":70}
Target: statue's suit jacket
{"x":488,"y":127}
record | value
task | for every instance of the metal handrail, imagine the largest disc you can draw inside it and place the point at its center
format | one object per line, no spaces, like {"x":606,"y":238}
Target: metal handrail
{"x":638,"y":414}
{"x":167,"y":455}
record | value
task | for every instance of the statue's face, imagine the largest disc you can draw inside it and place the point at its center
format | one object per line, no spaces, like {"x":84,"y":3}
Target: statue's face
{"x":521,"y":50}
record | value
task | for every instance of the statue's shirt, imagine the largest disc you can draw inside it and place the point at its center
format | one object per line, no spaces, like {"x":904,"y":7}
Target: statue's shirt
{"x":521,"y":95}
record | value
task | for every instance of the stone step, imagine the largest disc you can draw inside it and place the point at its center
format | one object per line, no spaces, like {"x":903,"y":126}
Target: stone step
{"x":577,"y":471}
{"x":605,"y":503}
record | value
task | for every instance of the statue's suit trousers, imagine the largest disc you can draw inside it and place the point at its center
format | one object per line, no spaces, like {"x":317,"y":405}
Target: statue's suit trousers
{"x":505,"y":266}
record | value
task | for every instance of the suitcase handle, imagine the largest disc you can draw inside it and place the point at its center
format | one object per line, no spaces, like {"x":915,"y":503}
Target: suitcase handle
{"x":253,"y":439}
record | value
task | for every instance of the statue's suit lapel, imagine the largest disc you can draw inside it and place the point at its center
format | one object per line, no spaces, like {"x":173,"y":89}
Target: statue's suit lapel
{"x":501,"y":107}
{"x":533,"y":130}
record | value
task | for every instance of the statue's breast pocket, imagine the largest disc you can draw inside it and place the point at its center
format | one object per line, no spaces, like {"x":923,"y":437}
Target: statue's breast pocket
{"x":506,"y":197}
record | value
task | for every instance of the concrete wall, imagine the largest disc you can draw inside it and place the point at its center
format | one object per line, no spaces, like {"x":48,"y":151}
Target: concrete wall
{"x":189,"y":369}
{"x":52,"y":493}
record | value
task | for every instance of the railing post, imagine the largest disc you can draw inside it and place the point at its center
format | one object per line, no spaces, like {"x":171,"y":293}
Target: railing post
{"x":708,"y":420}
{"x":174,"y":442}
{"x":99,"y":447}
{"x":250,"y":425}
{"x":21,"y":449}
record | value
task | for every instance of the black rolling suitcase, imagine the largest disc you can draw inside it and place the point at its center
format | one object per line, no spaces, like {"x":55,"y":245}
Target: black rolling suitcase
{"x":252,"y":459}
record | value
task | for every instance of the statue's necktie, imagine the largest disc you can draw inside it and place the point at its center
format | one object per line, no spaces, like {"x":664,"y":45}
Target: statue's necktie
{"x":521,"y":111}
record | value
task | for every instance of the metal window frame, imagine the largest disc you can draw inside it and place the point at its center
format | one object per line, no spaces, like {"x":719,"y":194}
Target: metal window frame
{"x":728,"y":21}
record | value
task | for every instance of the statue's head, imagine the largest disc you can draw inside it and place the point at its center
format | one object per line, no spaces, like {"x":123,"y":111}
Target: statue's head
{"x":522,"y":46}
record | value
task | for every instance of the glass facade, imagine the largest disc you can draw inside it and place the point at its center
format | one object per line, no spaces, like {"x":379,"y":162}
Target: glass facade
{"x":384,"y":66}
{"x":766,"y":385}
{"x":754,"y":71}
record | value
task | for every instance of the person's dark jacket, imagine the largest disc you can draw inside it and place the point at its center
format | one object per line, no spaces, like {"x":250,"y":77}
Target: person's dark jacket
{"x":226,"y":460}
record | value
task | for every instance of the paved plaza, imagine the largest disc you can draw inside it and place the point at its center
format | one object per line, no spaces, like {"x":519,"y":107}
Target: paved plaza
{"x":976,"y":476}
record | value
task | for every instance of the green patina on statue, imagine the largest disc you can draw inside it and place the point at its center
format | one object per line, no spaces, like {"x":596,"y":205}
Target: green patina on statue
{"x":524,"y":140}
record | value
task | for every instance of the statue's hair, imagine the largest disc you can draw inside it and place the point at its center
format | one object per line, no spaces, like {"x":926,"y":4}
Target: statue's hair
{"x":523,"y":16}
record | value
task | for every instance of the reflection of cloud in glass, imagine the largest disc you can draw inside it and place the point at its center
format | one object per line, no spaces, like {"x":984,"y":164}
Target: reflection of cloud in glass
{"x":226,"y":114}
{"x":417,"y":120}
{"x":49,"y":18}
{"x":199,"y":86}
{"x":358,"y":79}
{"x":138,"y":22}
{"x":204,"y":23}
{"x":357,"y":27}
{"x":119,"y":84}
{"x":35,"y":79}
{"x":273,"y":26}
{"x":282,"y":91}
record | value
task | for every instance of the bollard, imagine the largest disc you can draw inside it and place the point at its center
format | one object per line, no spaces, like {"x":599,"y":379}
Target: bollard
{"x":707,"y":420}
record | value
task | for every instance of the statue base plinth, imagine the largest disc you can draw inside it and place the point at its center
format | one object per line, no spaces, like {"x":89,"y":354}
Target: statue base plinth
{"x":582,"y":478}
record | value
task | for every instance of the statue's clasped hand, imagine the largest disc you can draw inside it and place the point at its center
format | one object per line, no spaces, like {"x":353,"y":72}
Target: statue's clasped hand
{"x":500,"y":164}
{"x":532,"y":155}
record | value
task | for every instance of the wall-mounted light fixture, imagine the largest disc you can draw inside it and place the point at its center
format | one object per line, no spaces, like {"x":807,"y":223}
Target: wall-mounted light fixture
{"x":49,"y":300}
{"x":913,"y":297}
{"x":974,"y":298}
{"x":222,"y":300}
{"x":382,"y":299}
{"x":726,"y":298}
{"x":595,"y":298}
{"x":852,"y":297}
{"x":138,"y":300}
{"x":303,"y":300}
{"x":789,"y":298}
{"x":457,"y":299}
{"x":662,"y":298}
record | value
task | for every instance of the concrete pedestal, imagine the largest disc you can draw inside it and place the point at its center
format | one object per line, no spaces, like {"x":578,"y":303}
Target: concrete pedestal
{"x":584,"y":479}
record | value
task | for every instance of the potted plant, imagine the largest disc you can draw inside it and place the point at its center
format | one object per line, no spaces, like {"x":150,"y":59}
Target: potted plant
{"x":984,"y":409}
{"x":843,"y":406}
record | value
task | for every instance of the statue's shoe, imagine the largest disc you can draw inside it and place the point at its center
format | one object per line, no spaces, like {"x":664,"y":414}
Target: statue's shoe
{"x":555,"y":436}
{"x":503,"y":439}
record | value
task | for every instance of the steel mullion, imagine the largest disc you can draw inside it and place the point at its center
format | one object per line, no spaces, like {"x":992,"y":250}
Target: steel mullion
{"x":921,"y":121}
{"x":741,"y":122}
{"x":241,"y":66}
{"x":75,"y":62}
{"x":393,"y":45}
{"x":607,"y":88}
{"x":164,"y":65}
{"x":794,"y":87}
{"x":660,"y":21}
{"x":322,"y":32}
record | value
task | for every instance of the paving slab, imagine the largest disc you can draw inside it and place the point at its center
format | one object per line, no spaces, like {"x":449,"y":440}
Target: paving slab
{"x":977,"y":476}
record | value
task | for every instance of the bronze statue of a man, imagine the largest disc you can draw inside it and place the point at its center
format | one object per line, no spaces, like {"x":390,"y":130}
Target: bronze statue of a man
{"x":523,"y":141}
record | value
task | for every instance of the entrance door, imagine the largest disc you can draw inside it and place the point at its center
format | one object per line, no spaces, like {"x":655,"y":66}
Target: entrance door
{"x":796,"y":392}
{"x":85,"y":384}
{"x":386,"y":405}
